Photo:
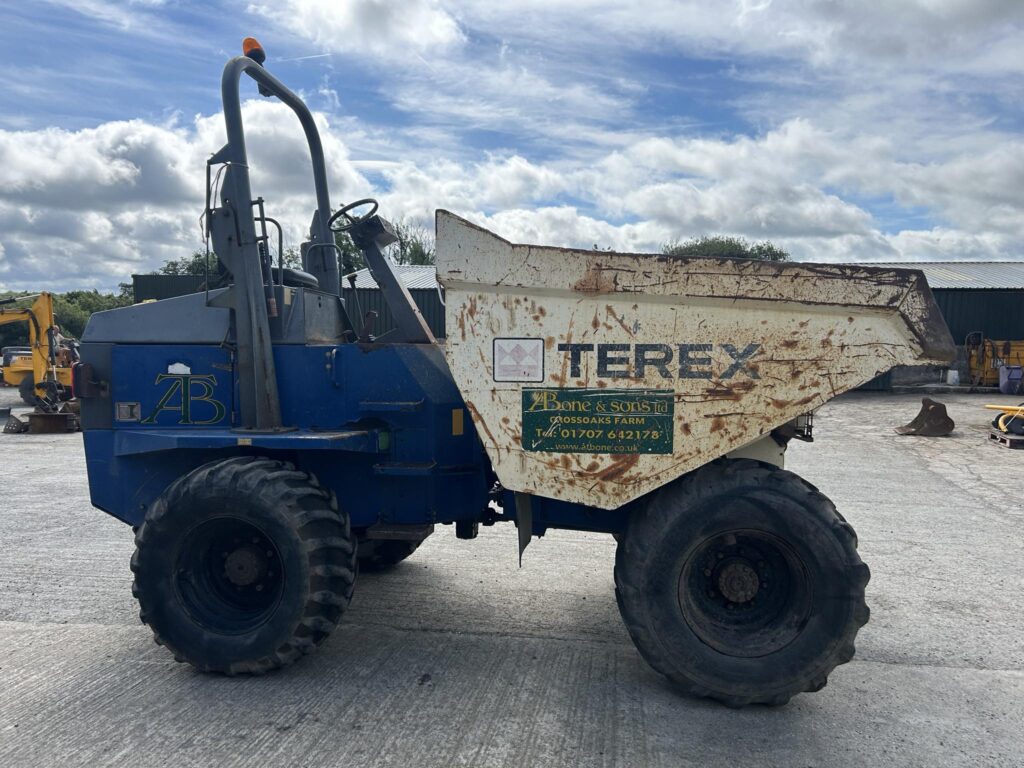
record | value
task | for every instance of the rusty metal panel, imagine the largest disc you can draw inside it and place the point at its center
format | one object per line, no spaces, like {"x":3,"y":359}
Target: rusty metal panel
{"x":595,"y":352}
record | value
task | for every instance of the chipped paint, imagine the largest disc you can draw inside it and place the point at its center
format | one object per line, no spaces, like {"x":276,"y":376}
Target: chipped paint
{"x":744,"y":346}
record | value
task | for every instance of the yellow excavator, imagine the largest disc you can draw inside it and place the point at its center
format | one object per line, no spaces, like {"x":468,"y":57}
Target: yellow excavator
{"x":43,"y":376}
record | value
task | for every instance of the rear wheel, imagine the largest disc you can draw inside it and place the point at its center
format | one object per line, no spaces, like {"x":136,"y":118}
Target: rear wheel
{"x":382,"y":554}
{"x":742,"y":583}
{"x":243,"y":566}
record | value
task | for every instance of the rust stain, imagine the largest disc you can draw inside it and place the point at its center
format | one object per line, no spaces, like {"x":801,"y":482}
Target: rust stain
{"x":549,"y":342}
{"x":596,"y":280}
{"x":619,"y":466}
{"x":783,"y":404}
{"x":610,"y":310}
{"x":480,"y":422}
{"x":565,"y":358}
{"x":728,"y":392}
{"x":788,"y":343}
{"x":717,"y":424}
{"x":686,"y":428}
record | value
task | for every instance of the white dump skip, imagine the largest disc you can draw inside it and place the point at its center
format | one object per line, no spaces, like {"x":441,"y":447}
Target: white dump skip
{"x":596,"y":377}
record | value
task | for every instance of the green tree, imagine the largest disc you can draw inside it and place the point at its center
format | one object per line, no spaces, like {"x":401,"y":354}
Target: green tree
{"x":415,"y":244}
{"x":71,"y":312}
{"x":187,"y":265}
{"x":725,"y":247}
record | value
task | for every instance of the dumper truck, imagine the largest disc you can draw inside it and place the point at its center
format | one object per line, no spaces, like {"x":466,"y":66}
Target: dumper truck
{"x":264,"y":444}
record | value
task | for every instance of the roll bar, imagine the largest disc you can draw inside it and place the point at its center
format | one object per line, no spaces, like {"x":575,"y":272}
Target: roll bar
{"x":323,"y":264}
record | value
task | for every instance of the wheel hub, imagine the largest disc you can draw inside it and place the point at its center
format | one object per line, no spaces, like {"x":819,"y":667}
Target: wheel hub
{"x":244,"y":566}
{"x":738,"y":582}
{"x":744,"y":592}
{"x":229,"y":575}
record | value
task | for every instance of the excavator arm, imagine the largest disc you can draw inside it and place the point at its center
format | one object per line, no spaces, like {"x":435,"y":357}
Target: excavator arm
{"x":41,"y":339}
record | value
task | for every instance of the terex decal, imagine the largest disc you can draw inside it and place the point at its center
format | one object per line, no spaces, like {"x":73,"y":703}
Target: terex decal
{"x":191,"y":395}
{"x":684,"y":361}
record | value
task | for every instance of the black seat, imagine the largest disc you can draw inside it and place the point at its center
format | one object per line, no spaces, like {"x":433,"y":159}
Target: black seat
{"x":296,"y":278}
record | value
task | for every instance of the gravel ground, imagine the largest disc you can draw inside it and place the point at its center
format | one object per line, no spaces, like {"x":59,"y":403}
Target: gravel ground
{"x":458,"y":657}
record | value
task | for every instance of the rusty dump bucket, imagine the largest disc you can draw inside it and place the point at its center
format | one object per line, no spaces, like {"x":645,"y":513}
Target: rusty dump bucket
{"x":931,"y":421}
{"x":596,"y":377}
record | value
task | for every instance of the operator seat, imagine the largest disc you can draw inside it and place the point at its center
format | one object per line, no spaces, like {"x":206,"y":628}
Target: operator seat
{"x":296,"y":278}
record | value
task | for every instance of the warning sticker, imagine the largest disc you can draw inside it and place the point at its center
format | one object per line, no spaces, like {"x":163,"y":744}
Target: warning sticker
{"x":519,"y":360}
{"x":598,"y":420}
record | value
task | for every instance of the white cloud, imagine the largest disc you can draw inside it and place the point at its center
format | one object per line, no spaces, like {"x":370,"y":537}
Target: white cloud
{"x":386,"y":28}
{"x":88,"y":208}
{"x":873,"y":132}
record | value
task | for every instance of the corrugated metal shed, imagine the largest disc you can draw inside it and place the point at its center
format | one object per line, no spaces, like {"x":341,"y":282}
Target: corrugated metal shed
{"x":156,"y":287}
{"x":414,"y":276}
{"x":997,"y":313}
{"x":362,"y":300}
{"x":1000,"y":275}
{"x":422,"y":284}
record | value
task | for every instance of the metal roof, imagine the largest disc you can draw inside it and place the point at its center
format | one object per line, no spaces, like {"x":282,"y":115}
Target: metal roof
{"x":940,"y":274}
{"x":413,"y":275}
{"x":965,"y":274}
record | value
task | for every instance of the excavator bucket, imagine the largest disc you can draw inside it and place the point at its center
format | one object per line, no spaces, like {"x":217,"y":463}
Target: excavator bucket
{"x":931,"y":421}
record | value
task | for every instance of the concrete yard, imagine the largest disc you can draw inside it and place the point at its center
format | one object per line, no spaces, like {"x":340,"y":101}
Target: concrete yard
{"x":459,"y":658}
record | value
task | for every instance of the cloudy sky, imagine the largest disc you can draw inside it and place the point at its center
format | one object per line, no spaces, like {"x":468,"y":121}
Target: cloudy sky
{"x":843,"y":131}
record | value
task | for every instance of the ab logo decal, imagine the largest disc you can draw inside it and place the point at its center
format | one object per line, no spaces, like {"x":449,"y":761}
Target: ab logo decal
{"x":186,"y":392}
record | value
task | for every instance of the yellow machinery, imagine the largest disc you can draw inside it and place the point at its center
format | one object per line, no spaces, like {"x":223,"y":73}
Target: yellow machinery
{"x":1010,"y":419}
{"x":986,"y":356}
{"x":45,"y":372}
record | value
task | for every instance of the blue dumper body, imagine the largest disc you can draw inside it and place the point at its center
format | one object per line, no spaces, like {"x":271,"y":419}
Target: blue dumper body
{"x":383,"y":426}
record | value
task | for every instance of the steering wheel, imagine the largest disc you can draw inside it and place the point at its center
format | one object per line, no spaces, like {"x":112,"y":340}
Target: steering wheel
{"x":352,"y":220}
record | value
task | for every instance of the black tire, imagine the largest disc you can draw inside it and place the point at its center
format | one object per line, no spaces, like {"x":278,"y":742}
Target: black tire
{"x":377,"y":555}
{"x":741,"y":583}
{"x":27,"y":390}
{"x":243,"y":566}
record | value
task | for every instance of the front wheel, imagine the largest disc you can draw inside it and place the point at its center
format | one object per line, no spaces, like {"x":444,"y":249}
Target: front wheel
{"x":27,"y":390}
{"x":243,"y":566}
{"x":742,"y":583}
